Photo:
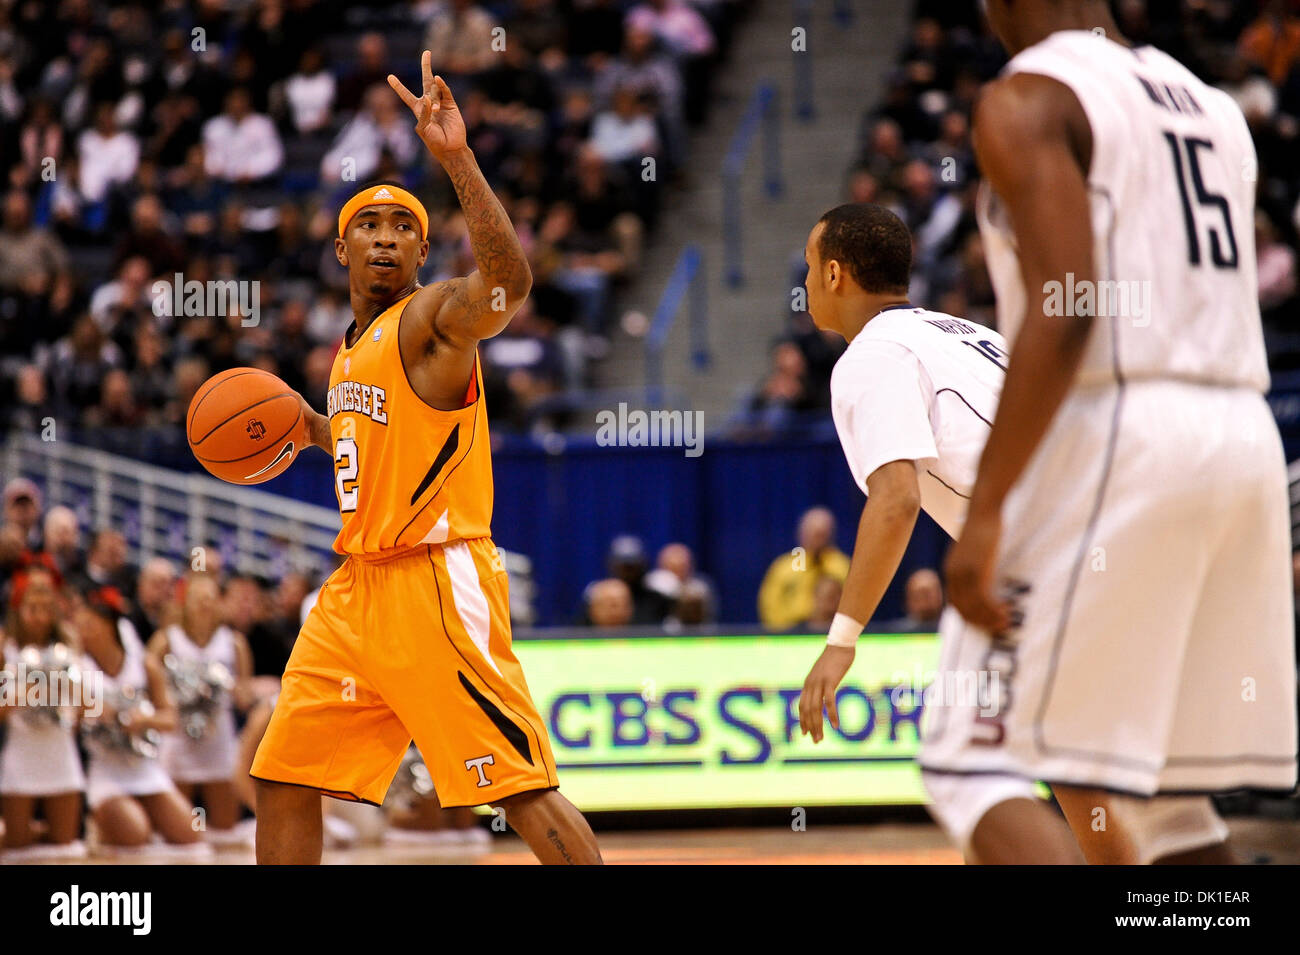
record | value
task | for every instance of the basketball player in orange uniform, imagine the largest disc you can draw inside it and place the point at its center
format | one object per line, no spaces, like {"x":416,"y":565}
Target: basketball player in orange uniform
{"x":411,"y":636}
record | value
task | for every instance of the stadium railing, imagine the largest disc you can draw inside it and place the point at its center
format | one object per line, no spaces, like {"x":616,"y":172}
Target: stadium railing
{"x":170,"y":514}
{"x":762,"y":115}
{"x":687,"y":277}
{"x":166,"y":513}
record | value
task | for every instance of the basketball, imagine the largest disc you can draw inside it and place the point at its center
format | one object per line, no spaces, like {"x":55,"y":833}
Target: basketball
{"x":245,"y":425}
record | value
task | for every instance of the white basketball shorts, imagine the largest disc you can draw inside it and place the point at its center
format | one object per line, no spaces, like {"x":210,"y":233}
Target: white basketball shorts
{"x":1146,"y":550}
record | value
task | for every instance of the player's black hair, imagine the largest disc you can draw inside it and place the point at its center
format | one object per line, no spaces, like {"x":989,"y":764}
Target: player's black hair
{"x":870,"y":242}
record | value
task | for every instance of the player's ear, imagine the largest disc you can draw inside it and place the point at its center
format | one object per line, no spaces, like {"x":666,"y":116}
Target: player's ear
{"x":833,"y":275}
{"x":341,"y":252}
{"x":424,"y":253}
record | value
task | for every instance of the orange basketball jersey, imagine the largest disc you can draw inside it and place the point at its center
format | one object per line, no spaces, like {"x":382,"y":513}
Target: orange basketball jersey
{"x":405,"y":473}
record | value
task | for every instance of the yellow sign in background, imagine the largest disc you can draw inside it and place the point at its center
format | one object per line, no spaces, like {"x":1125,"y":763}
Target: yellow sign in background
{"x":681,"y":722}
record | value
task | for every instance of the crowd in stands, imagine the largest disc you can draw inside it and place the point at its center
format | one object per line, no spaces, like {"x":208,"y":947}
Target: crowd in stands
{"x":671,"y":595}
{"x":802,"y":588}
{"x":217,"y":140}
{"x":915,"y":157}
{"x":799,"y":593}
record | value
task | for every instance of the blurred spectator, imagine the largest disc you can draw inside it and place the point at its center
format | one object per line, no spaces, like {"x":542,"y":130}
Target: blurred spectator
{"x":80,"y":362}
{"x":685,"y":32}
{"x":693,"y":606}
{"x":128,"y":297}
{"x":675,"y":578}
{"x":23,"y":510}
{"x":923,"y":603}
{"x":148,"y":239}
{"x":383,"y":124}
{"x":370,"y":68}
{"x":1272,"y":41}
{"x":12,"y":549}
{"x":106,"y":155}
{"x":539,"y":27}
{"x":310,"y":93}
{"x":626,"y":130}
{"x":1277,"y":270}
{"x":626,"y":562}
{"x":827,"y":592}
{"x":117,"y":407}
{"x":1250,"y":89}
{"x":523,"y":366}
{"x":786,"y":595}
{"x":31,"y":409}
{"x":785,"y":394}
{"x":885,"y":154}
{"x":62,"y":540}
{"x":25,"y":248}
{"x":609,"y":603}
{"x":271,"y":638}
{"x":239,"y":145}
{"x":460,"y":38}
{"x":41,"y":137}
{"x":653,"y":78}
{"x":154,"y":594}
{"x":583,"y":263}
{"x":106,"y":564}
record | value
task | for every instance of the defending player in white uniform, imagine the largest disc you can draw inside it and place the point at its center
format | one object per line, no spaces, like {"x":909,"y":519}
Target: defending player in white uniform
{"x":912,"y":396}
{"x":1124,"y":559}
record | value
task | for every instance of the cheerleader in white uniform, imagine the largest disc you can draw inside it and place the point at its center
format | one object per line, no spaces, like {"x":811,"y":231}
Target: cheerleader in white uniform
{"x":39,"y":762}
{"x":205,"y":766}
{"x":130,"y":794}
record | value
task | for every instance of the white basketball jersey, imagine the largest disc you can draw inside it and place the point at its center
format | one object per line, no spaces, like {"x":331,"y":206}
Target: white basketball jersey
{"x":1172,"y":194}
{"x":916,"y":385}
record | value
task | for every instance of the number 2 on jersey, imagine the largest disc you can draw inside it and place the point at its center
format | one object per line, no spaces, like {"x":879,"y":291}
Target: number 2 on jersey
{"x":345,"y":473}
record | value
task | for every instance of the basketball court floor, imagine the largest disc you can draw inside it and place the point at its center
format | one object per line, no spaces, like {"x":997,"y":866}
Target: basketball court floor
{"x":1256,"y":840}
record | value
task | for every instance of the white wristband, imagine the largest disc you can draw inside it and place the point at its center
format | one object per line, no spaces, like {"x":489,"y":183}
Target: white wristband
{"x":844,"y":631}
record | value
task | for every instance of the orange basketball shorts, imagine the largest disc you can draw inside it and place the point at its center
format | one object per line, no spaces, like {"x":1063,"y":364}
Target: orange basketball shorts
{"x":409,"y":645}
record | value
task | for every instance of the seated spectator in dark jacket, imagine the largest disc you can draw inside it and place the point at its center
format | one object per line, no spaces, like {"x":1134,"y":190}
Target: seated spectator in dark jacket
{"x":196,"y":196}
{"x":25,"y":248}
{"x":23,"y":510}
{"x":271,"y":639}
{"x":627,"y":561}
{"x":923,"y":601}
{"x":523,"y":366}
{"x":31,"y":409}
{"x":148,"y":238}
{"x":106,"y":564}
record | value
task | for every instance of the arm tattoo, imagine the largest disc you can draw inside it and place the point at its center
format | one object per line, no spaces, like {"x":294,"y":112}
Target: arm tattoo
{"x":497,"y":252}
